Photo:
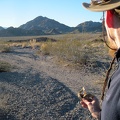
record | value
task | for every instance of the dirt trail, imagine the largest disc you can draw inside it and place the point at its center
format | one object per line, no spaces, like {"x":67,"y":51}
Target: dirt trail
{"x":39,"y":89}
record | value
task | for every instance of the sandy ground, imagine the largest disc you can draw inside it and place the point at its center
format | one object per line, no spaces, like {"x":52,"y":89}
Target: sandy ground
{"x":39,"y":89}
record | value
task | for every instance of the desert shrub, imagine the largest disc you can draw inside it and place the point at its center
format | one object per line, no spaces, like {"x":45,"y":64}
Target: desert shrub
{"x":46,"y":48}
{"x":5,"y":48}
{"x":4,"y":66}
{"x":33,"y":43}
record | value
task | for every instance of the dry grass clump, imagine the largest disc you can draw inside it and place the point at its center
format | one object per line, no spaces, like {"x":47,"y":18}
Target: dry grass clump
{"x":45,"y":47}
{"x":4,"y":66}
{"x":19,"y":44}
{"x":24,"y":45}
{"x":5,"y":48}
{"x":33,"y":43}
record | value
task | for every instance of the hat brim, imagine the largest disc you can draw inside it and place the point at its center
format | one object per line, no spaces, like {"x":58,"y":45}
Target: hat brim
{"x":102,"y":7}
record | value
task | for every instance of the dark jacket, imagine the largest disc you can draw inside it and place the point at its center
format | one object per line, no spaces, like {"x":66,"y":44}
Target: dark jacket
{"x":111,"y":102}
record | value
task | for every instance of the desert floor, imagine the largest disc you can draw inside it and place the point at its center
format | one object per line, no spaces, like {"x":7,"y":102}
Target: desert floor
{"x":39,"y":88}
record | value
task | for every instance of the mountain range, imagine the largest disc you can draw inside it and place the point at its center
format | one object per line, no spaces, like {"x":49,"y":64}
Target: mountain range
{"x":45,"y":26}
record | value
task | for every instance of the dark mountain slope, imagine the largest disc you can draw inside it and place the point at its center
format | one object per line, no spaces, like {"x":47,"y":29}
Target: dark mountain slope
{"x":89,"y":26}
{"x":11,"y":31}
{"x":45,"y":24}
{"x":1,"y":28}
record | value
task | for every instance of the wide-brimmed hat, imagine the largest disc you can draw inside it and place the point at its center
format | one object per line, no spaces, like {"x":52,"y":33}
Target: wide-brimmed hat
{"x":102,"y":5}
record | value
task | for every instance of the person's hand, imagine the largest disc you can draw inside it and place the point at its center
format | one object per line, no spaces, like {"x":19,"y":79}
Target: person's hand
{"x":92,"y":105}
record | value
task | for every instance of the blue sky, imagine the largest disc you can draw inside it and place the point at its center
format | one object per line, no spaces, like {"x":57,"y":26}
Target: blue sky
{"x":69,"y":12}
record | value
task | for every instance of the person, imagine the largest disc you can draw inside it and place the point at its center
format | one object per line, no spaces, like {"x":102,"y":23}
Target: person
{"x":110,"y":109}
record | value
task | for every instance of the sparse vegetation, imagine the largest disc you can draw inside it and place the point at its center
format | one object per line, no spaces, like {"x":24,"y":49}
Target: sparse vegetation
{"x":85,"y":49}
{"x":81,"y":52}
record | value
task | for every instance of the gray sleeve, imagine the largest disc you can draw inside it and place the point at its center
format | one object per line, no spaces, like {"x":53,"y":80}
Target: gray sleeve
{"x":118,"y":107}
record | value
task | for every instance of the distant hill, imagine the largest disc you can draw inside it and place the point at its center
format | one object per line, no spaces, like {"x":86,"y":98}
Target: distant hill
{"x":11,"y":31}
{"x":44,"y":26}
{"x":1,"y":28}
{"x":89,"y":26}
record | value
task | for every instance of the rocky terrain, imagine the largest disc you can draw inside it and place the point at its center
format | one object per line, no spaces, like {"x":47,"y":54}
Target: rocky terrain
{"x":38,"y":88}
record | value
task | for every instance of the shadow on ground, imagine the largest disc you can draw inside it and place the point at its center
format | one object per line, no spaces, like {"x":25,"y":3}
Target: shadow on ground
{"x":6,"y":116}
{"x":36,"y":96}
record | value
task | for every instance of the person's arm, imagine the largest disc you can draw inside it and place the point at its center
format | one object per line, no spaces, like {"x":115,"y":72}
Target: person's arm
{"x":93,"y":106}
{"x":118,"y":108}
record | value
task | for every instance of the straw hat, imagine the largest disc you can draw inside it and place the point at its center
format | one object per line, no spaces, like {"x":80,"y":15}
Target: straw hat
{"x":102,"y":5}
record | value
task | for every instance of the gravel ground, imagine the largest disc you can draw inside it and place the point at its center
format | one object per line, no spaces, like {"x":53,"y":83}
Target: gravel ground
{"x":39,"y":89}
